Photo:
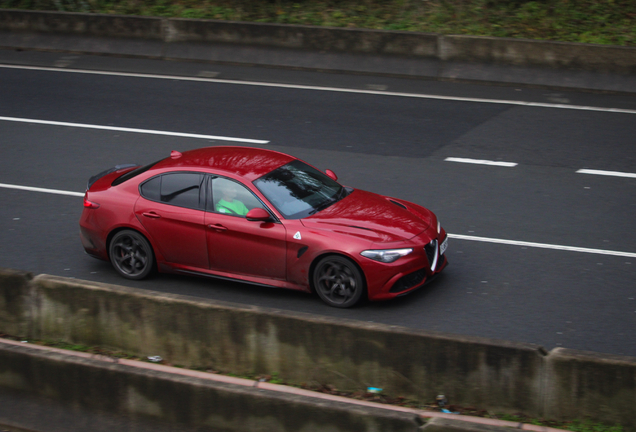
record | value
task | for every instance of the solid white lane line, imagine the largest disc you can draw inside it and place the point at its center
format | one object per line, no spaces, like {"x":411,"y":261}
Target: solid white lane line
{"x":133,"y":130}
{"x":481,"y":162}
{"x":607,"y":173}
{"x":453,"y":236}
{"x":543,"y":245}
{"x":331,"y":89}
{"x":36,"y":189}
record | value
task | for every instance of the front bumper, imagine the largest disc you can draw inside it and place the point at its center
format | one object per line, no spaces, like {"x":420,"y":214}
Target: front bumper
{"x":407,"y":274}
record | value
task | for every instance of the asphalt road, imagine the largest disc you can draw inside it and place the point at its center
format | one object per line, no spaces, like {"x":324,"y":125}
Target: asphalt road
{"x":391,"y":144}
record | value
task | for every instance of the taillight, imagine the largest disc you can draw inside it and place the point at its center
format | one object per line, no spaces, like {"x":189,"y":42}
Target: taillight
{"x":89,"y":204}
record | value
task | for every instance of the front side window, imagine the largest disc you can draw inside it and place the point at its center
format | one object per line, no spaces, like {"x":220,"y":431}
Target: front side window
{"x":233,"y":198}
{"x":178,"y":189}
{"x":298,"y":190}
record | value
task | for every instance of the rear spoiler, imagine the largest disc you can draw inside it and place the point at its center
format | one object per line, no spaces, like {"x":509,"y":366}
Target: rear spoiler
{"x":96,"y":177}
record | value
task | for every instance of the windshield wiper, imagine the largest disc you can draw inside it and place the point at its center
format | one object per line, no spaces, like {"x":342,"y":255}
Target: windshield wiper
{"x":340,"y":195}
{"x":323,"y":206}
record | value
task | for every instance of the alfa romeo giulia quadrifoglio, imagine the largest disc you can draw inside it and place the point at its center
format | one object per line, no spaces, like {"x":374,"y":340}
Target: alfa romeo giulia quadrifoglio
{"x":261,"y":217}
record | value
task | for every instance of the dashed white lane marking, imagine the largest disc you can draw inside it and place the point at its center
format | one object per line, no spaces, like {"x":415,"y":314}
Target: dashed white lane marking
{"x":481,"y":162}
{"x":607,"y":173}
{"x":36,"y":189}
{"x":332,"y":89}
{"x":133,"y":130}
{"x":543,"y":245}
{"x":453,"y":236}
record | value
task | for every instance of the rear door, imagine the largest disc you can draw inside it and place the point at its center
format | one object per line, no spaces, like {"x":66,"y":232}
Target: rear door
{"x":172,"y":209}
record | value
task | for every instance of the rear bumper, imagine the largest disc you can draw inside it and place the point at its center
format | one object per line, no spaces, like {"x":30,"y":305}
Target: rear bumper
{"x":91,"y":236}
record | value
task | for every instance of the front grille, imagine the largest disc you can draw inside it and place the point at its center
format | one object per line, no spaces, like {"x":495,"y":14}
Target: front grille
{"x":408,"y":281}
{"x":431,"y":253}
{"x":440,"y":262}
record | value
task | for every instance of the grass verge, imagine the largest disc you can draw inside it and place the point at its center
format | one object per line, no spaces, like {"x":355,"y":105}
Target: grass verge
{"x":589,"y":21}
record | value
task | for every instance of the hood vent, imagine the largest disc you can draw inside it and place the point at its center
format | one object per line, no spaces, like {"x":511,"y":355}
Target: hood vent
{"x":398,"y":204}
{"x":354,"y":226}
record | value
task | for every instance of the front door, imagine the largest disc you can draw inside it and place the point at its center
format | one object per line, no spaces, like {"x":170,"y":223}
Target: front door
{"x":236,"y":245}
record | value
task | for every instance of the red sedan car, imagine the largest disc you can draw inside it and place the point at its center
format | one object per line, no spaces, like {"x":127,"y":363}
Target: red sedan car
{"x":260,"y":217}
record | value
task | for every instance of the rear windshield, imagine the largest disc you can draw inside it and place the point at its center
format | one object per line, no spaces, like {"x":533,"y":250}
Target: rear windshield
{"x":125,"y":177}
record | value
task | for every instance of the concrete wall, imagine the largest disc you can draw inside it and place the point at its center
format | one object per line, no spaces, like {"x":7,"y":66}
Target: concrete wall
{"x":495,"y":375}
{"x":173,"y":32}
{"x":524,"y":52}
{"x":298,"y":347}
{"x":303,"y":37}
{"x":15,"y":295}
{"x":186,"y":402}
{"x":581,"y":382}
{"x":84,"y":24}
{"x":448,"y":425}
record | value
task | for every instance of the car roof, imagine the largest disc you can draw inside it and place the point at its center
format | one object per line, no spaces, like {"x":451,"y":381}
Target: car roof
{"x":248,"y":162}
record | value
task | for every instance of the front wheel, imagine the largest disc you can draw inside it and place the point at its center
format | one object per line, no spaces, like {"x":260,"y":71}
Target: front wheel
{"x":338,"y":281}
{"x":131,"y":255}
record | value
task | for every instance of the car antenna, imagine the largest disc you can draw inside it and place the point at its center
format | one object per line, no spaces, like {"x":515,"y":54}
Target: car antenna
{"x":175,"y":154}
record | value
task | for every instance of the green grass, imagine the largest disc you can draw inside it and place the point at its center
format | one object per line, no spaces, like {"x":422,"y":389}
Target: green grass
{"x":586,"y":425}
{"x":590,"y":426}
{"x":589,"y":21}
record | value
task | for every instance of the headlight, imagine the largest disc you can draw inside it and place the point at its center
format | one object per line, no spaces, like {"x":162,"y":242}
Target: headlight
{"x":386,"y":255}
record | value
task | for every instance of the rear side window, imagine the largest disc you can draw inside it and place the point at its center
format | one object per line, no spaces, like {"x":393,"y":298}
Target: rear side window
{"x":178,"y":189}
{"x":152,"y":189}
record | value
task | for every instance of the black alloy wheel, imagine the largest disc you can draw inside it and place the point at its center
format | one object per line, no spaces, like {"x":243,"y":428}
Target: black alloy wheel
{"x":338,"y":281}
{"x":131,"y":255}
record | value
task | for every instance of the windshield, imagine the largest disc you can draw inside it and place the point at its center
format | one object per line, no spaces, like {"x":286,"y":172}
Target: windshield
{"x":298,"y":190}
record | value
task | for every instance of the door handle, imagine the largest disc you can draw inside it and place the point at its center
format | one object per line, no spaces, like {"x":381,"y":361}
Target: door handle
{"x":217,"y":227}
{"x":151,"y":215}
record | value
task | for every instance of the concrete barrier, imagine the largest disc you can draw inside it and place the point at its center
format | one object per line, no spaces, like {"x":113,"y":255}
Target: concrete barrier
{"x":448,"y":425}
{"x":302,"y":37}
{"x":301,"y":348}
{"x":81,"y":24}
{"x":580,"y":383}
{"x":15,"y":301}
{"x":183,"y":401}
{"x":524,"y":52}
{"x":296,"y":347}
{"x":171,"y":32}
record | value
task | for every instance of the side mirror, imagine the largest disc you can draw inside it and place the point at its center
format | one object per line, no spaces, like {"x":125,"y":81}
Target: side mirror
{"x":258,"y":214}
{"x":332,"y":175}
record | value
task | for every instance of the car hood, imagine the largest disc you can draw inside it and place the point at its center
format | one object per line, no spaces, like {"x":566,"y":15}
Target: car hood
{"x":371,"y":216}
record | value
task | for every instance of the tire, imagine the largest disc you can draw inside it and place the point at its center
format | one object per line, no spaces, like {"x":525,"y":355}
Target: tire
{"x":131,"y":255}
{"x":338,"y":281}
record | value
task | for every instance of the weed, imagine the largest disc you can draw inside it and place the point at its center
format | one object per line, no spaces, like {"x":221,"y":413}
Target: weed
{"x":585,"y":425}
{"x":589,"y":426}
{"x":591,"y":21}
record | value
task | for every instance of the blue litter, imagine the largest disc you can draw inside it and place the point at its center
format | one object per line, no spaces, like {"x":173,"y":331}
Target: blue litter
{"x":444,"y":410}
{"x":373,"y":390}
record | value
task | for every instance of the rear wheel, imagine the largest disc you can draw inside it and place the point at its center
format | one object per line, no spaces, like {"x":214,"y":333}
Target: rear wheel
{"x":131,"y":255}
{"x":338,"y":281}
